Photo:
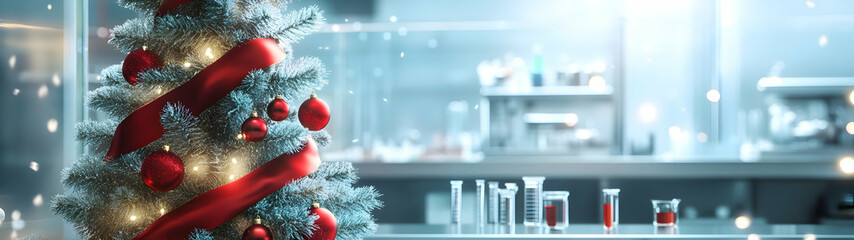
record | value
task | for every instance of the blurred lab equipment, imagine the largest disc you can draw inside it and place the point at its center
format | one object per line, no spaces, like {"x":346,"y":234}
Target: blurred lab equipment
{"x":556,"y":206}
{"x":611,"y":207}
{"x":456,"y":201}
{"x":666,"y":212}
{"x":533,"y":200}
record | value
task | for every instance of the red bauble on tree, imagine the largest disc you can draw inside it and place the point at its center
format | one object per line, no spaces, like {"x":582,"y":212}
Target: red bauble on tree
{"x":278,"y":109}
{"x":162,"y":171}
{"x":254,"y":128}
{"x":326,"y":224}
{"x":257,"y":232}
{"x":139,"y":61}
{"x":314,"y":113}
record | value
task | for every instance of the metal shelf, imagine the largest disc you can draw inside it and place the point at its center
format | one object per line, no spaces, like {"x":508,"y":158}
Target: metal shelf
{"x":551,"y":91}
{"x":610,"y":167}
{"x":623,"y":231}
{"x":818,"y":86}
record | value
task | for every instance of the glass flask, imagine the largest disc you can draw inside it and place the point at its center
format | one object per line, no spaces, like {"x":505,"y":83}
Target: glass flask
{"x":456,"y":200}
{"x":533,"y":200}
{"x":611,"y":207}
{"x":666,"y":212}
{"x":556,"y":209}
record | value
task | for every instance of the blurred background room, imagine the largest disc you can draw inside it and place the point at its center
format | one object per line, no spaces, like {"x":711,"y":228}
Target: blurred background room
{"x":739,"y":108}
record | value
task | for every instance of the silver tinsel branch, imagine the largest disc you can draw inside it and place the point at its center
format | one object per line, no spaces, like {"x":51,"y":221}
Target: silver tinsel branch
{"x":110,"y":201}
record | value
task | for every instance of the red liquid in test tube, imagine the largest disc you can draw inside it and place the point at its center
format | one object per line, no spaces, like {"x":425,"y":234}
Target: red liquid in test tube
{"x":551,"y":215}
{"x":608,"y":214}
{"x":665,"y":218}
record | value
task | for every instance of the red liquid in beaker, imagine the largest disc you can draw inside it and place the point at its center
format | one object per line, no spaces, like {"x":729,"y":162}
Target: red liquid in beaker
{"x":551,"y":215}
{"x":608,"y":214}
{"x":665,"y":218}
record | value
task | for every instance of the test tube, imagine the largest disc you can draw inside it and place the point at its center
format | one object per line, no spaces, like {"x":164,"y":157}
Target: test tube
{"x":611,"y":207}
{"x":533,"y":200}
{"x":456,"y":201}
{"x":508,"y":209}
{"x":493,"y":202}
{"x":480,"y":218}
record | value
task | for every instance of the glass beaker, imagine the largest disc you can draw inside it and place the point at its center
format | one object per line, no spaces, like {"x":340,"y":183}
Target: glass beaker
{"x":666,"y":212}
{"x":556,"y":206}
{"x":611,"y":207}
{"x":492,"y":207}
{"x":533,"y":200}
{"x":456,"y":200}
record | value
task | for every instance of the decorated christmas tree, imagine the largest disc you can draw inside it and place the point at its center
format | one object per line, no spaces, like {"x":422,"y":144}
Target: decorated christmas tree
{"x":200,"y":141}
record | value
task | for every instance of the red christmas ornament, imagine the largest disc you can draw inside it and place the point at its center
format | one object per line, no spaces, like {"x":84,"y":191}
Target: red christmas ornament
{"x":278,"y":109}
{"x":162,"y":171}
{"x":257,"y":232}
{"x":254,"y":128}
{"x":314,"y":113}
{"x":137,"y":62}
{"x":327,"y":226}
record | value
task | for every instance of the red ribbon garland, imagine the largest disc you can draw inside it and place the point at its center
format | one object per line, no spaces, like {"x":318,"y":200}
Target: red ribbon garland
{"x":217,"y":206}
{"x":208,"y":86}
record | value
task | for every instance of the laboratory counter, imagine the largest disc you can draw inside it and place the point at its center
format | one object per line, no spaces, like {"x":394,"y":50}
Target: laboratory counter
{"x":623,"y":231}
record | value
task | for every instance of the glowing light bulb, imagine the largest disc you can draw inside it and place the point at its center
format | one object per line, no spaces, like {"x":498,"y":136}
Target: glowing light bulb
{"x":809,"y":236}
{"x":49,"y":7}
{"x":187,"y":64}
{"x":849,"y":128}
{"x":713,"y":95}
{"x":209,"y":53}
{"x":702,"y":137}
{"x":38,"y":200}
{"x":42,"y":91}
{"x":52,"y":124}
{"x":231,"y":177}
{"x":162,"y":211}
{"x":233,"y":160}
{"x":158,"y":90}
{"x":144,"y":48}
{"x":55,"y":79}
{"x":846,"y":164}
{"x":742,"y":222}
{"x":393,"y":18}
{"x":133,"y":217}
{"x":34,"y":166}
{"x":596,"y":83}
{"x":851,"y":97}
{"x":239,"y":136}
{"x":401,"y":54}
{"x":822,"y":41}
{"x":571,"y":119}
{"x":12,"y":61}
{"x":196,"y":168}
{"x":355,"y":140}
{"x":647,"y":113}
{"x":336,"y":27}
{"x":675,"y":132}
